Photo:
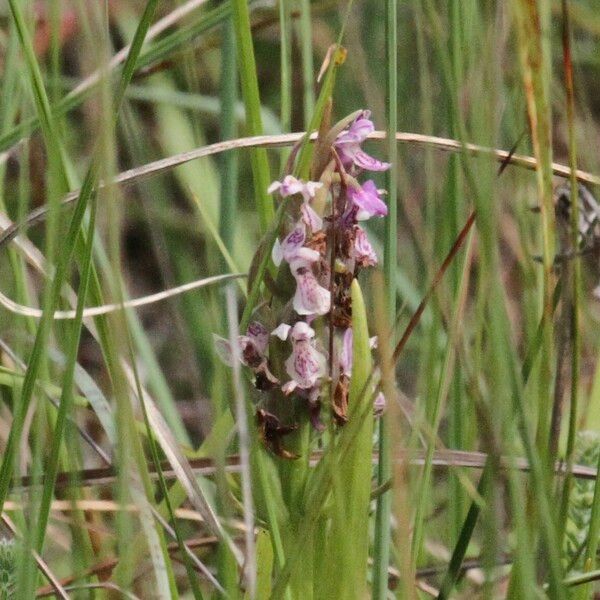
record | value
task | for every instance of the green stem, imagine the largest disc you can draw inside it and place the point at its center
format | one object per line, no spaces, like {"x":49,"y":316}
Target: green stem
{"x":66,"y":398}
{"x":286,"y":66}
{"x":229,"y":161}
{"x":381,"y":553}
{"x":576,"y":271}
{"x":308,"y":69}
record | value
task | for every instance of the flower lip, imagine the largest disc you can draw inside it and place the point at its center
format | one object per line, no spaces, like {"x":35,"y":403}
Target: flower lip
{"x":310,"y":298}
{"x":362,"y":251}
{"x":368,"y":201}
{"x":367,"y":162}
{"x":348,"y":144}
{"x":292,"y":248}
{"x":305,"y":365}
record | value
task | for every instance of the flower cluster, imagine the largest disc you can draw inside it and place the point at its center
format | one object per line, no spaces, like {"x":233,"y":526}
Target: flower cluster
{"x":323,"y":249}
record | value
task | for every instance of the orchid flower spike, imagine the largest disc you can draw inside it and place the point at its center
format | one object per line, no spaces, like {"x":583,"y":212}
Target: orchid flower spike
{"x":315,"y":246}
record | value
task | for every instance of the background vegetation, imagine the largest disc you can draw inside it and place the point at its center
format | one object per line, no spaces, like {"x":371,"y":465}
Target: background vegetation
{"x":121,"y":471}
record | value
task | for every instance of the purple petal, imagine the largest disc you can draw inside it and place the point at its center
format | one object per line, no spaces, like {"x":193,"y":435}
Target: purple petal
{"x":363,"y":251}
{"x":294,"y":239}
{"x":362,"y":127}
{"x":282,"y":331}
{"x":346,"y":153}
{"x":314,"y":410}
{"x":348,"y":144}
{"x":311,"y":218}
{"x":305,"y":365}
{"x":364,"y":161}
{"x":291,"y":249}
{"x":290,"y":186}
{"x":274,"y":187}
{"x":310,"y":298}
{"x":358,"y":130}
{"x":368,"y":201}
{"x":259,"y":335}
{"x":346,"y":352}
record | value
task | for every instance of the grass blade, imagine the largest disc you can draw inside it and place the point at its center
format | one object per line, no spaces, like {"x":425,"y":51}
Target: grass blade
{"x":575,"y":293}
{"x":381,"y":551}
{"x":250,"y":93}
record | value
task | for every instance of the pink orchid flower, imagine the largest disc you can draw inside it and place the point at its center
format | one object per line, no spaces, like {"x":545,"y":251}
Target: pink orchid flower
{"x":290,"y":186}
{"x":310,"y":298}
{"x":306,"y":365}
{"x":367,"y":199}
{"x":362,"y":251}
{"x":252,"y":348}
{"x":348,"y":144}
{"x":292,"y":248}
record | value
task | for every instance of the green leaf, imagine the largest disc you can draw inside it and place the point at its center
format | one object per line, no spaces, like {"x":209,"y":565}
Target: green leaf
{"x":250,"y":93}
{"x":349,"y":536}
{"x":264,"y":563}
